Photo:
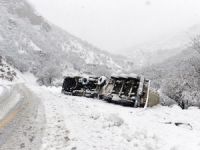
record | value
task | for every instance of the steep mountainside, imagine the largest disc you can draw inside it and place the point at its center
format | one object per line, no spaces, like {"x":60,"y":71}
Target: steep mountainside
{"x":159,"y":50}
{"x":31,"y":43}
{"x":178,"y":77}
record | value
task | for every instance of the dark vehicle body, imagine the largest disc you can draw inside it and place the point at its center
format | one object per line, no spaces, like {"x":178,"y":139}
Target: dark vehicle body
{"x":132,"y":90}
{"x":81,"y":86}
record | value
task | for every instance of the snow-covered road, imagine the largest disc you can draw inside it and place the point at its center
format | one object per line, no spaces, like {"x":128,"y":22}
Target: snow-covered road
{"x":22,"y":119}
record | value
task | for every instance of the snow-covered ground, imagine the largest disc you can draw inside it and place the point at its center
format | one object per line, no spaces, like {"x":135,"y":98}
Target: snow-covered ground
{"x":81,"y":123}
{"x":50,"y":120}
{"x":1,"y":90}
{"x":8,"y":100}
{"x":21,"y":118}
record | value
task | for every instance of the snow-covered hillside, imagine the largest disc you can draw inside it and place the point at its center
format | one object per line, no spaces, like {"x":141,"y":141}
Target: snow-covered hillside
{"x":166,"y":46}
{"x":31,"y":43}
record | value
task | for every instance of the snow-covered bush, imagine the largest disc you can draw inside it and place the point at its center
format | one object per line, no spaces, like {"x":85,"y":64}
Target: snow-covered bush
{"x":6,"y":72}
{"x":19,"y":64}
{"x":98,"y":70}
{"x":48,"y":75}
{"x":178,"y":78}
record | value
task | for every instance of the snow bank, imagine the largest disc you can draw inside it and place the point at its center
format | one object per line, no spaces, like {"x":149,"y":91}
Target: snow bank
{"x":1,"y":38}
{"x":4,"y":93}
{"x":29,"y":78}
{"x":1,"y":90}
{"x":8,"y":100}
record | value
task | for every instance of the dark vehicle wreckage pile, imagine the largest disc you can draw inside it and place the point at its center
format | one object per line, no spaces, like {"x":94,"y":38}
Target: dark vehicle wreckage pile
{"x":131,"y":90}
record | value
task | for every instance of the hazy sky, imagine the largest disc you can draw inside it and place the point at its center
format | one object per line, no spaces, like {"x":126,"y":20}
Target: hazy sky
{"x":116,"y":24}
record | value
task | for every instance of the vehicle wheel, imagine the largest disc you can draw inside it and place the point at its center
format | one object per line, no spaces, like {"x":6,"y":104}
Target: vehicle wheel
{"x":102,"y":80}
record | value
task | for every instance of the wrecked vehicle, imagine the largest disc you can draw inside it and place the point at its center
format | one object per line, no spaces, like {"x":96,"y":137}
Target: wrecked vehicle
{"x":131,"y":90}
{"x":83,"y":86}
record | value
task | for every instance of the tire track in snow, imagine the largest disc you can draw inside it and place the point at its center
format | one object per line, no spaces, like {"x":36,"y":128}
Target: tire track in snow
{"x":25,"y":123}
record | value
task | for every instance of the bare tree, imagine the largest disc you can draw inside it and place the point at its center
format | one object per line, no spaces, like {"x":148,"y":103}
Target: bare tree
{"x":49,"y":74}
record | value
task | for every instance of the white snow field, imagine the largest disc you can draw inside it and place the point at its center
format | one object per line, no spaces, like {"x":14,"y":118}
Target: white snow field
{"x":77,"y":123}
{"x":50,"y":120}
{"x":1,"y":90}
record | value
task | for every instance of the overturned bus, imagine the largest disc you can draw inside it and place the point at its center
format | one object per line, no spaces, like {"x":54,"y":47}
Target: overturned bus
{"x":126,"y":90}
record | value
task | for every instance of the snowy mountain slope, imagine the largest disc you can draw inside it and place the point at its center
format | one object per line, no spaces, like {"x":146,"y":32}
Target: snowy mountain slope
{"x":31,"y":43}
{"x":177,"y":77}
{"x":158,"y":50}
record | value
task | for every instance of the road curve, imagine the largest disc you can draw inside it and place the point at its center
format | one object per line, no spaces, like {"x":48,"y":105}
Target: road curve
{"x":22,"y":124}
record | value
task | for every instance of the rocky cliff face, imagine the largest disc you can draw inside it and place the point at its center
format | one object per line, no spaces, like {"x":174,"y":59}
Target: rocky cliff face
{"x":6,"y":72}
